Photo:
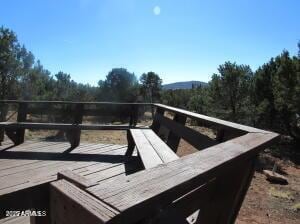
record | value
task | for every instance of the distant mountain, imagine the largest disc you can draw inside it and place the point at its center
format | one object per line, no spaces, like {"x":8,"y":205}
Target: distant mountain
{"x":184,"y":85}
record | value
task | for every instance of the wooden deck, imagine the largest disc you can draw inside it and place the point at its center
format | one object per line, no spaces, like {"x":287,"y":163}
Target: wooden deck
{"x":104,"y":183}
{"x":33,"y":164}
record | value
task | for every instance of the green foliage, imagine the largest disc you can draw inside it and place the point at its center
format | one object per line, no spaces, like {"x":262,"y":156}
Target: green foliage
{"x":23,"y":78}
{"x":268,"y":99}
{"x":200,"y":100}
{"x":11,"y":58}
{"x":230,"y":89}
{"x":277,"y":95}
{"x":119,"y":85}
{"x":176,"y":97}
{"x":150,"y":86}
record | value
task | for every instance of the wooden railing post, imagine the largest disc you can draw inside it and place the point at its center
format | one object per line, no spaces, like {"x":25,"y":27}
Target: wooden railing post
{"x":173,"y":139}
{"x":224,"y":135}
{"x":78,"y":115}
{"x":3,"y":112}
{"x":22,"y":114}
{"x":134,"y":112}
{"x":131,"y":144}
{"x":156,"y":124}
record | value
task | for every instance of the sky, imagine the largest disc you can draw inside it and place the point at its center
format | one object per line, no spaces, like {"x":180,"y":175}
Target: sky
{"x":180,"y":40}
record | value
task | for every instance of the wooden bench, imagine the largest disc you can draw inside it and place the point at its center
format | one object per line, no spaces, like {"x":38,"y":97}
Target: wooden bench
{"x":212,"y":182}
{"x":151,"y":149}
{"x":70,"y":113}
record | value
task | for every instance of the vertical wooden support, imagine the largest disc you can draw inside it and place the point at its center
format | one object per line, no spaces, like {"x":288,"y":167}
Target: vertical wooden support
{"x":131,"y":144}
{"x":75,"y":134}
{"x":3,"y":112}
{"x":22,"y":114}
{"x":224,"y":135}
{"x":134,"y":115}
{"x":230,"y":192}
{"x":156,"y":124}
{"x":220,"y":135}
{"x":173,"y":139}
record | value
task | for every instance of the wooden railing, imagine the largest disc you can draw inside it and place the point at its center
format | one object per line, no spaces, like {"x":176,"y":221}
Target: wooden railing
{"x":213,"y":181}
{"x":70,"y":117}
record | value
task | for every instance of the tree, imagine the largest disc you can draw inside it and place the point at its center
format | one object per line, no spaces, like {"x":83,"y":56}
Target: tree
{"x":200,"y":100}
{"x":10,"y":63}
{"x":150,"y":86}
{"x":276,"y":95}
{"x":119,"y":85}
{"x":287,"y":93}
{"x":37,"y":84}
{"x":230,"y":88}
{"x":262,"y":95}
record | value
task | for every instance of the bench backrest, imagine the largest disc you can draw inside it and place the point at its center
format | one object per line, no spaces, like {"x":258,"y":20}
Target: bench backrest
{"x":170,"y":124}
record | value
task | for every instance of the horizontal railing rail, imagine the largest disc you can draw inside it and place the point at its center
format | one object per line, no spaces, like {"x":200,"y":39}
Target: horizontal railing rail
{"x":211,"y":120}
{"x":72,"y":102}
{"x":67,"y":112}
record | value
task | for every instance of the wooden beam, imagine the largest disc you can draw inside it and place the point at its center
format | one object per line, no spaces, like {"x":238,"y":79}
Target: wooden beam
{"x":225,"y":135}
{"x":3,"y":113}
{"x":63,"y":126}
{"x":76,"y":179}
{"x":22,"y":114}
{"x":196,"y":139}
{"x":174,"y":137}
{"x":134,"y":115}
{"x":69,"y":102}
{"x":156,"y":124}
{"x":70,"y":204}
{"x":211,"y":120}
{"x":130,"y":143}
{"x":74,"y":135}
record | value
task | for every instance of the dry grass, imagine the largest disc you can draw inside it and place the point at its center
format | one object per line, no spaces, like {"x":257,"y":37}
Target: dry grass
{"x":281,"y":194}
{"x":296,"y":207}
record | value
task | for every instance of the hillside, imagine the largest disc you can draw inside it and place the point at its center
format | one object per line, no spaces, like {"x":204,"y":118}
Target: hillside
{"x":184,"y":85}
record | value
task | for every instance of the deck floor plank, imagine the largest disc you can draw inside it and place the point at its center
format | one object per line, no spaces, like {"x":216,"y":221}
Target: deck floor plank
{"x":35,"y":163}
{"x":17,"y":173}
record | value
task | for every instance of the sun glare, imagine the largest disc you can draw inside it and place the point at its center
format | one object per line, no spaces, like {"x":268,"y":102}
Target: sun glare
{"x":156,"y":10}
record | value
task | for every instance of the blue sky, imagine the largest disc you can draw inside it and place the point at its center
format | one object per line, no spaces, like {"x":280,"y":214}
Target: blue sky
{"x":178,"y":39}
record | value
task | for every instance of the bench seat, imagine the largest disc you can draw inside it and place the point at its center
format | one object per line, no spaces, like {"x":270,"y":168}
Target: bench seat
{"x":151,"y":149}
